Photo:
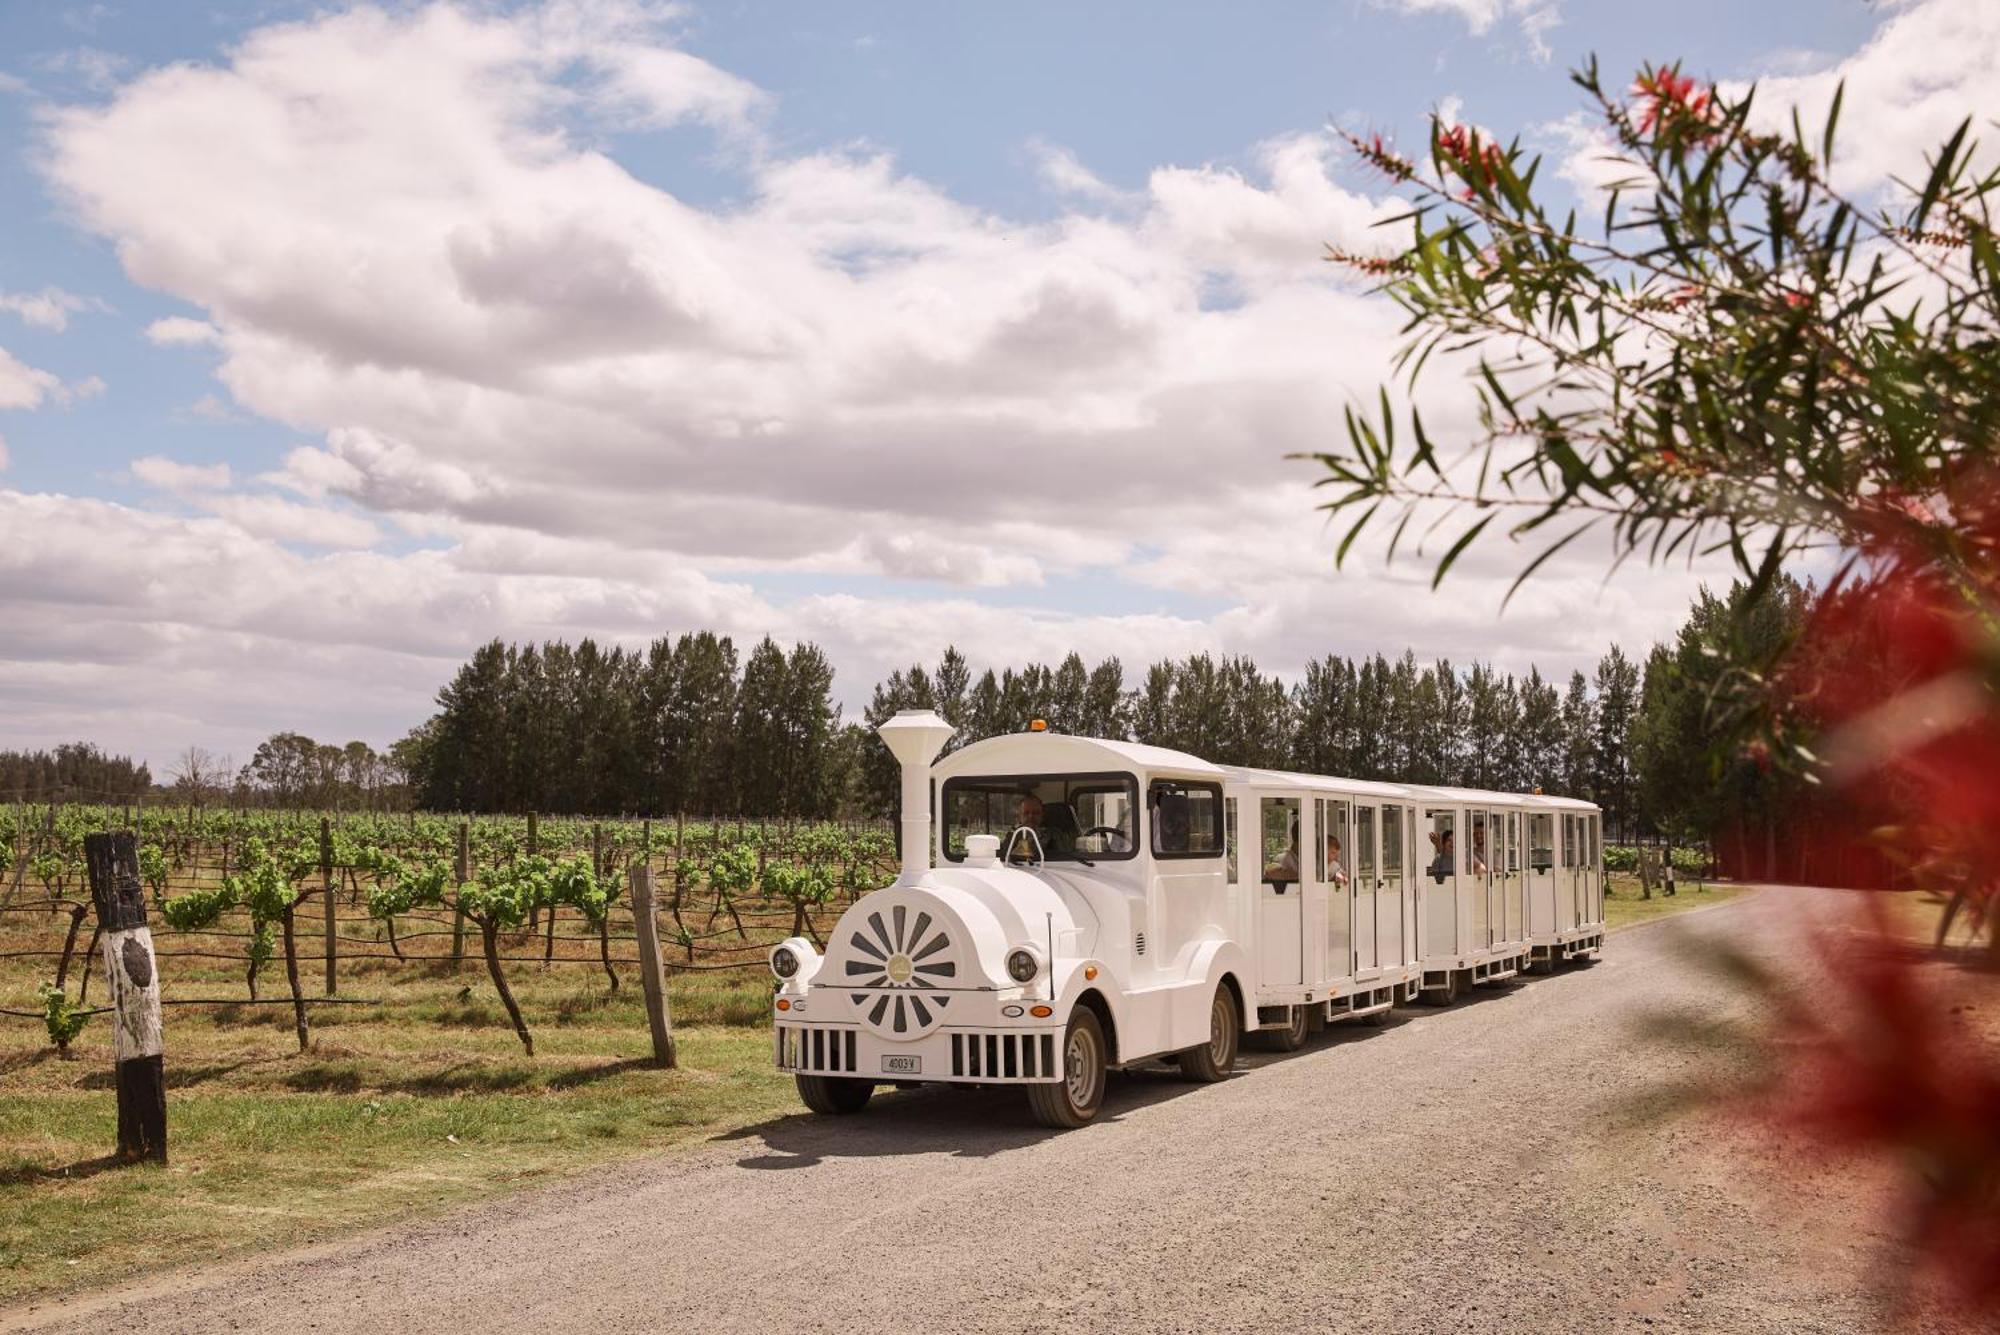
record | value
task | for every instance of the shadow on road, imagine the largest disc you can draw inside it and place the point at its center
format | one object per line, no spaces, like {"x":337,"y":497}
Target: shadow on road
{"x":970,"y":1121}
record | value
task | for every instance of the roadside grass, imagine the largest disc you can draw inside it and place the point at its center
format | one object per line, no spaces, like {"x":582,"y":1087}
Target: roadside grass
{"x":1624,"y":908}
{"x":420,"y":1101}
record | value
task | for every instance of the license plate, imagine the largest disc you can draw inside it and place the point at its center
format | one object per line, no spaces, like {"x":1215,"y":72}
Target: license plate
{"x":902,"y":1065}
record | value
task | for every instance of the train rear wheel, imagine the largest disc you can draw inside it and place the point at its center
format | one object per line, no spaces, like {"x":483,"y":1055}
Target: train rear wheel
{"x":1212,"y":1061}
{"x":1293,"y":1036}
{"x":1074,"y":1100}
{"x":834,"y":1095}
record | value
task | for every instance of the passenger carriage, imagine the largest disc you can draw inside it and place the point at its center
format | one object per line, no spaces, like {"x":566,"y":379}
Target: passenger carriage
{"x":1070,"y":905}
{"x":1565,"y":882}
{"x":1328,"y":864}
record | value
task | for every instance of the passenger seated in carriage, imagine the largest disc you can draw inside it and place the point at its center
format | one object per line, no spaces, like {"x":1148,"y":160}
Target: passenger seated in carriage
{"x":1442,"y":865}
{"x":1285,"y":871}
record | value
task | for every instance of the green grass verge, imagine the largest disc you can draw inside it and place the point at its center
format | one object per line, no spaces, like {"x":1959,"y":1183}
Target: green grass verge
{"x":1624,"y":908}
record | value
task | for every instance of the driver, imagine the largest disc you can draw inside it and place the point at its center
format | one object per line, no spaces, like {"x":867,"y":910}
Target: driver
{"x":1029,"y":814}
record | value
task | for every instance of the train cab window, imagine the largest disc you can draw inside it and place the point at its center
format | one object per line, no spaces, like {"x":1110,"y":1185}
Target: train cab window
{"x":1444,"y":846}
{"x":1541,"y":841}
{"x":1280,"y":848}
{"x":1187,"y":818}
{"x":1229,"y":840}
{"x":1067,"y":817}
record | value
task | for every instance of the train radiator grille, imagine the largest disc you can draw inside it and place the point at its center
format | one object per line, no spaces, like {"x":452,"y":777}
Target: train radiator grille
{"x":1003,"y":1056}
{"x":814,"y":1050}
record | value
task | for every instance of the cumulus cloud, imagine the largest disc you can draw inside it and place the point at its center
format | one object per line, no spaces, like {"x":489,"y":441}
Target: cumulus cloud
{"x":1928,"y":67}
{"x":170,"y":475}
{"x":49,"y":308}
{"x":1533,"y":17}
{"x":178,"y":331}
{"x":24,"y":386}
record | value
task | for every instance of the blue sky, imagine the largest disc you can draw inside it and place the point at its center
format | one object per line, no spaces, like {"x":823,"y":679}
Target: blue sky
{"x":679,"y":348}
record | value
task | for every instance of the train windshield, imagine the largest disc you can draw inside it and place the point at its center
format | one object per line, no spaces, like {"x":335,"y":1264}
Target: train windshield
{"x":1072,"y":817}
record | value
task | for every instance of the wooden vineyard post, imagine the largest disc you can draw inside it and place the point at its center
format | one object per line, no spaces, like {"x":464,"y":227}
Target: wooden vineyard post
{"x":462,"y":871}
{"x":652,"y":972}
{"x":326,"y":885}
{"x":138,"y":1045}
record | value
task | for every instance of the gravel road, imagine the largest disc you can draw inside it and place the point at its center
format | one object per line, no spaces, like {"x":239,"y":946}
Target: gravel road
{"x":1478,"y":1168}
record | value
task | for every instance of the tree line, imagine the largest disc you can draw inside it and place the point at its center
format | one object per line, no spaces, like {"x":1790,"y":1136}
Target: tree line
{"x":74,"y":772}
{"x":687,"y":725}
{"x":1369,"y":718}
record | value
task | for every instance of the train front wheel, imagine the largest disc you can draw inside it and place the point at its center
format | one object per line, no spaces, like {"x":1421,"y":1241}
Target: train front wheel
{"x":834,"y":1095}
{"x":1074,"y":1100}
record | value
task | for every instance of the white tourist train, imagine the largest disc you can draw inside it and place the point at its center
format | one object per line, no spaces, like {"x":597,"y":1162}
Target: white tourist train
{"x":1098,"y":904}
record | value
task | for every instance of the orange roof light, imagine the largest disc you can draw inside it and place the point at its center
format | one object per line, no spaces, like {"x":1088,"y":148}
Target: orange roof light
{"x":1039,"y":725}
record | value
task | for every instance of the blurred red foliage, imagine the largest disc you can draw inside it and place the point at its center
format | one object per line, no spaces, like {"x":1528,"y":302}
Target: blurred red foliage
{"x":1889,"y":697}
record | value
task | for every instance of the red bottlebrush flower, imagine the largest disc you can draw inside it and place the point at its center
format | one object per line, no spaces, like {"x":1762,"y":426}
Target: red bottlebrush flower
{"x":1665,"y":94}
{"x":1795,"y":299}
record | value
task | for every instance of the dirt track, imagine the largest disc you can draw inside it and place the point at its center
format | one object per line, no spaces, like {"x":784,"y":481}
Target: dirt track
{"x":1456,"y":1170}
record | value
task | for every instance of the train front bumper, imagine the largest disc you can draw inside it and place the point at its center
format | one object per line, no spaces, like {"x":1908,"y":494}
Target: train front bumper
{"x":976,"y":1055}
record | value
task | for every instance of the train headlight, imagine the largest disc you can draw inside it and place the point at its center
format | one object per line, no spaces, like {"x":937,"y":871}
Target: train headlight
{"x":794,"y":960}
{"x":1022,"y":965}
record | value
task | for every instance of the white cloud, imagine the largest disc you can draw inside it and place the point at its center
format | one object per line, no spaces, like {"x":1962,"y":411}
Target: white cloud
{"x":1063,"y":172}
{"x":1534,"y":17}
{"x":170,"y":475}
{"x":24,"y":386}
{"x":1930,"y":65}
{"x":178,"y":331}
{"x":49,"y":308}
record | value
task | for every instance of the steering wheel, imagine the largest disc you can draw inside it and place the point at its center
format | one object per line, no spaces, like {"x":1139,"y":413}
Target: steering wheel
{"x":1111,"y":831}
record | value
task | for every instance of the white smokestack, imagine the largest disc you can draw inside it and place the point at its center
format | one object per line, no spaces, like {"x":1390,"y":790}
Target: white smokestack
{"x":914,"y":737}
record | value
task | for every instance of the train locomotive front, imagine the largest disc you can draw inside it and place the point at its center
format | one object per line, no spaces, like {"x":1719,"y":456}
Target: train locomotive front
{"x":949,"y":974}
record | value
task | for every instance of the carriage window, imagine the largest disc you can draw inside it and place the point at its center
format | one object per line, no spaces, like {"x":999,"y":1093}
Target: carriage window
{"x":1364,"y":845}
{"x":1392,"y":841}
{"x":1513,"y":842}
{"x":1444,"y":853}
{"x":1569,"y":841}
{"x":1187,"y":818}
{"x":1281,"y":840}
{"x":1071,"y":816}
{"x":1475,"y":857}
{"x":1596,"y":859}
{"x":1541,"y":841}
{"x":1229,"y":833}
{"x":1330,"y":854}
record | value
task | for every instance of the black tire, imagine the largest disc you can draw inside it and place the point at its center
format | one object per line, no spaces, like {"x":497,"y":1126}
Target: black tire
{"x":1212,"y":1061}
{"x":1443,"y":996}
{"x":1293,"y":1036}
{"x":834,"y":1095}
{"x":1074,"y":1100}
